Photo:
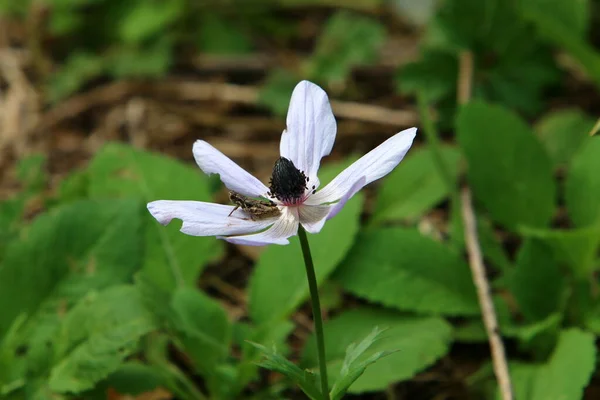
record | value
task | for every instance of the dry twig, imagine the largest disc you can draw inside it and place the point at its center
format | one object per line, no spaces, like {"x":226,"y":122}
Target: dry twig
{"x":490,"y":319}
{"x":209,"y":91}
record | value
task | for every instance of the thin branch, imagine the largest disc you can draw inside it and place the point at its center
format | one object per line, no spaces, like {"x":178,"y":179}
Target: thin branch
{"x":485,"y":299}
{"x":465,"y":77}
{"x":208,"y":91}
{"x":490,"y":320}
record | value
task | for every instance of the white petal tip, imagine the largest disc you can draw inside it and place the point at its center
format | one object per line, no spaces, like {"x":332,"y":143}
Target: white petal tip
{"x":159,"y":213}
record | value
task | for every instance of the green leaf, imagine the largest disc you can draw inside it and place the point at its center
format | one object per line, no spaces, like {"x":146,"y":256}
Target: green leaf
{"x":400,"y":268}
{"x":151,"y":60}
{"x":352,"y":367}
{"x":556,"y":26}
{"x":31,"y":173}
{"x":417,"y":342}
{"x":537,"y":282}
{"x":278,"y":284}
{"x":576,"y":248}
{"x":218,"y":35}
{"x":434,"y":76}
{"x":134,"y":377}
{"x":171,"y":257}
{"x":569,"y":370}
{"x":148,"y":19}
{"x":68,"y":252}
{"x":96,"y":336}
{"x":306,"y":380}
{"x":411,"y":191}
{"x":79,"y":68}
{"x":563,"y":133}
{"x":509,"y":171}
{"x":348,"y":40}
{"x":273,"y":335}
{"x":582,"y":189}
{"x":571,"y":15}
{"x":277,"y":90}
{"x":510,"y":70}
{"x":204,"y":326}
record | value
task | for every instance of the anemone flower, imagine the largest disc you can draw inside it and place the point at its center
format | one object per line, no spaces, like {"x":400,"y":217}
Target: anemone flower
{"x":270,"y":215}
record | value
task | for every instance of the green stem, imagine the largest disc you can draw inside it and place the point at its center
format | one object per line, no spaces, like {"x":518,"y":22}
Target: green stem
{"x":316,"y":310}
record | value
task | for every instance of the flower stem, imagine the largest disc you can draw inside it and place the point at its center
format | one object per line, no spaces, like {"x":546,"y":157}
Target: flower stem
{"x":316,"y":310}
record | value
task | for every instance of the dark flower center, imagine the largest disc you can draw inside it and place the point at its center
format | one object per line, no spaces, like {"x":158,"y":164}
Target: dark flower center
{"x":287,"y":183}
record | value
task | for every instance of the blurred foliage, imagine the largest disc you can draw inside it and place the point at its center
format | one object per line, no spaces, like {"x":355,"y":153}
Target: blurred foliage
{"x":97,"y":296}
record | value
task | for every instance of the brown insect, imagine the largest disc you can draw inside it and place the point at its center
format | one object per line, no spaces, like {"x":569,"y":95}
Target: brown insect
{"x":256,"y":209}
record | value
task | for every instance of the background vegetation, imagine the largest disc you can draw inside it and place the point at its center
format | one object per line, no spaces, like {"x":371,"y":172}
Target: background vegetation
{"x":100,"y":101}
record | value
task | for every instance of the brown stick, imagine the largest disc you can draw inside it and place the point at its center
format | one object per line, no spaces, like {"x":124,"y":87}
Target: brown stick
{"x":490,"y":320}
{"x":465,"y":77}
{"x":207,"y":91}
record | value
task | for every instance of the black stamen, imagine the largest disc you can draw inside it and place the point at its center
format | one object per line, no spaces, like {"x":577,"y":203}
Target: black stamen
{"x":287,"y":183}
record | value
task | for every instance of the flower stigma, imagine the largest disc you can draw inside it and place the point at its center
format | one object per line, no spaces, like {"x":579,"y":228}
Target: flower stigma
{"x":288,"y":183}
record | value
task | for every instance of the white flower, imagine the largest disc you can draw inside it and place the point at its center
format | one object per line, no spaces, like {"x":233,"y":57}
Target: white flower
{"x":309,"y":136}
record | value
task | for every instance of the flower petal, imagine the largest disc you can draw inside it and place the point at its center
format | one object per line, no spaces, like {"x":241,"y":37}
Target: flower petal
{"x":206,"y":219}
{"x":212,"y":161}
{"x":313,"y":218}
{"x":311,"y":129}
{"x":372,"y":166}
{"x":282,"y":229}
{"x":337,"y":207}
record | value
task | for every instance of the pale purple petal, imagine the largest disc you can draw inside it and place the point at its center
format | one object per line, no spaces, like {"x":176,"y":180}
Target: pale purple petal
{"x":311,"y":129}
{"x":206,"y":219}
{"x":313,"y":218}
{"x":337,"y":207}
{"x":372,"y":166}
{"x":282,"y":229}
{"x":212,"y":161}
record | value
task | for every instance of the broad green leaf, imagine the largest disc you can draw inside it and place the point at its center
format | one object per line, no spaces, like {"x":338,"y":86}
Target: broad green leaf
{"x":572,"y":15}
{"x":134,"y":377}
{"x":148,"y":19}
{"x":96,"y":336}
{"x":306,"y":380}
{"x":417,"y":342}
{"x":400,"y":268}
{"x":66,"y":253}
{"x":563,"y":133}
{"x":537,"y":282}
{"x":278,"y":284}
{"x":139,"y":61}
{"x":277,"y":90}
{"x":204,"y":326}
{"x":217,"y":35}
{"x":171,"y":258}
{"x":523,"y":378}
{"x":412,"y":190}
{"x":31,"y":173}
{"x":577,"y":248}
{"x":564,"y":29}
{"x":346,"y":41}
{"x":508,"y":169}
{"x":79,"y":68}
{"x":510,"y":70}
{"x":433,"y":76}
{"x":352,"y":367}
{"x":569,"y":369}
{"x":582,"y":189}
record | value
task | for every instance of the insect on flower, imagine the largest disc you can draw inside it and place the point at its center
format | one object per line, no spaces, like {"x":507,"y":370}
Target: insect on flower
{"x":293,"y":196}
{"x":256,"y":209}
